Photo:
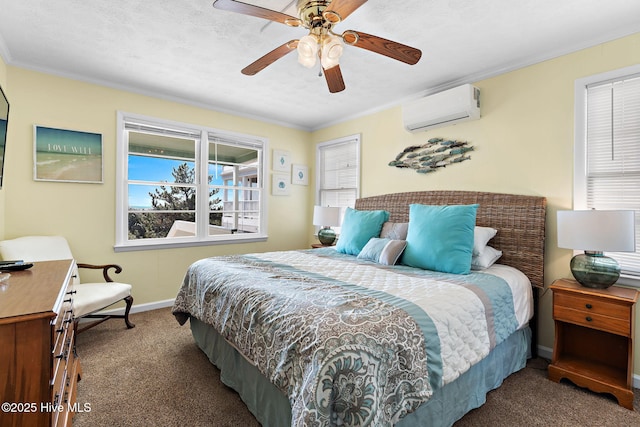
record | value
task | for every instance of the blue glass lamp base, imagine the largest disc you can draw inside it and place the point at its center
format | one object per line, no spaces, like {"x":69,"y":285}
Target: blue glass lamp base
{"x":326,"y":236}
{"x":594,"y":270}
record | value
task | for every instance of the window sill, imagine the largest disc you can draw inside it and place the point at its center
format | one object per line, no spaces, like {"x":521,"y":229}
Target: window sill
{"x":156,"y":244}
{"x":630,"y":281}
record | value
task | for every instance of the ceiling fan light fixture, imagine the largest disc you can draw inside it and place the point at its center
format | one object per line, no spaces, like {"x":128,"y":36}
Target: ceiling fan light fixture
{"x":319,"y":17}
{"x":307,"y":51}
{"x":332,"y":49}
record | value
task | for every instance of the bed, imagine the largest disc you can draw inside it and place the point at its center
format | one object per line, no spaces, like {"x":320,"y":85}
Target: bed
{"x":320,"y":337}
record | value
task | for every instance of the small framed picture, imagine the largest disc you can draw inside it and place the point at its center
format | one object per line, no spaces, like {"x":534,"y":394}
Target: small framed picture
{"x":300,"y":175}
{"x":66,"y":155}
{"x":280,"y":184}
{"x":281,"y":161}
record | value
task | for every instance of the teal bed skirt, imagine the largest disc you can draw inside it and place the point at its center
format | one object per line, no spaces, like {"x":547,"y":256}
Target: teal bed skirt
{"x":448,"y":404}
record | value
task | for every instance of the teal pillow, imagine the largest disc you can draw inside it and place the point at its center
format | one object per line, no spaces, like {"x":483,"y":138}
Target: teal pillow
{"x":357,"y":228}
{"x":440,"y":238}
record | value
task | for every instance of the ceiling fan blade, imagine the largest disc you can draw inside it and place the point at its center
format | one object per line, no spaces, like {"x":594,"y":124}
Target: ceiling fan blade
{"x":345,"y":8}
{"x":401,"y":52}
{"x":257,"y":11}
{"x":333,"y":76}
{"x":271,"y":57}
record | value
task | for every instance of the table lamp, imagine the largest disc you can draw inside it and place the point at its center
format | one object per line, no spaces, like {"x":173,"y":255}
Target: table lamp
{"x":594,"y":232}
{"x":326,"y":216}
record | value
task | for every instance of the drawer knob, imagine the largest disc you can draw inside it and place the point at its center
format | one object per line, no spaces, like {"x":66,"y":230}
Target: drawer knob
{"x":588,"y":319}
{"x":589,"y":306}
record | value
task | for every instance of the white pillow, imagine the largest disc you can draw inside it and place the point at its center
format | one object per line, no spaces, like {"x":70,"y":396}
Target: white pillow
{"x":485,"y":259}
{"x":481,"y":236}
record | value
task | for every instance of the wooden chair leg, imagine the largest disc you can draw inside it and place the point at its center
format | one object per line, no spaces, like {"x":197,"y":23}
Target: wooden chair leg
{"x":129,"y":302}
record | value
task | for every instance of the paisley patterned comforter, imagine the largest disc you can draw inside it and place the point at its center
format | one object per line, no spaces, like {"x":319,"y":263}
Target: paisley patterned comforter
{"x":348,"y":341}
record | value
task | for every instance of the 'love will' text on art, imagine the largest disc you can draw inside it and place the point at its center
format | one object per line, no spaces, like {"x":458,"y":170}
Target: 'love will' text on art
{"x":71,"y":149}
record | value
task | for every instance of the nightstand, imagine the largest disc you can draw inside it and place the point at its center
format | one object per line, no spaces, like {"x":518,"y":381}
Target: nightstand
{"x":594,"y":338}
{"x":320,"y":245}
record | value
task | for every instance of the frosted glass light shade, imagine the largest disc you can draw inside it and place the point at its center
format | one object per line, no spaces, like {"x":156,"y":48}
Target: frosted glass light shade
{"x":307,"y":51}
{"x":331,"y":52}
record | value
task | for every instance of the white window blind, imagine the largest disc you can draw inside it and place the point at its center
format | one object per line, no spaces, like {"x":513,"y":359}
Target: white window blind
{"x":338,"y":169}
{"x":613,"y":154}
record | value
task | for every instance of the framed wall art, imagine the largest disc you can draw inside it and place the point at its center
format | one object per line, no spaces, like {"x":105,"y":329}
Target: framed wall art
{"x":300,"y":175}
{"x":281,"y":161}
{"x":67,"y":155}
{"x":280,"y":184}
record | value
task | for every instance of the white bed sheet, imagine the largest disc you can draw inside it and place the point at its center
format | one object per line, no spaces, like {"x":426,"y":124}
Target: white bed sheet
{"x":520,"y":288}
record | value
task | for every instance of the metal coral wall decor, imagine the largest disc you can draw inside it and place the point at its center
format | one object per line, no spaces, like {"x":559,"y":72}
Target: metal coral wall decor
{"x":436,"y":153}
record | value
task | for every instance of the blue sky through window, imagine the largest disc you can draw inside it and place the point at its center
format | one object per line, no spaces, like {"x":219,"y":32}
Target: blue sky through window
{"x":156,"y":169}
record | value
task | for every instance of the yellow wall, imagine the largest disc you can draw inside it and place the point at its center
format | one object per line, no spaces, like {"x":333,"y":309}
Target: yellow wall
{"x":523,"y":144}
{"x":85,"y":213}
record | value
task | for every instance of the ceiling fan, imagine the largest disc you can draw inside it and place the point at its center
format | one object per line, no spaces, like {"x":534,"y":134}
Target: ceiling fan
{"x":319,"y":17}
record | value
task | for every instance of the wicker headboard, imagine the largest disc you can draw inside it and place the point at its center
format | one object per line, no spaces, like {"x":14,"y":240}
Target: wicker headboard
{"x":520,"y":221}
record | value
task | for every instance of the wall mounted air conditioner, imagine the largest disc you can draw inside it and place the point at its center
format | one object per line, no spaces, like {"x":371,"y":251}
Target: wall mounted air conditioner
{"x":445,"y":108}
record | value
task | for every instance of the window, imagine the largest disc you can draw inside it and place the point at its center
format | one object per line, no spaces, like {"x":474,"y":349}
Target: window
{"x":607,"y":152}
{"x":338,"y":172}
{"x":185,"y":185}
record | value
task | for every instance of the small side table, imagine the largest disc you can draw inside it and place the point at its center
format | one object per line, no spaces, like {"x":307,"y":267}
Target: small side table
{"x":594,"y":338}
{"x":320,"y":245}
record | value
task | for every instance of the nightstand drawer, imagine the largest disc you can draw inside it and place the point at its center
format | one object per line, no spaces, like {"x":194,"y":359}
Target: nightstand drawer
{"x":590,"y":305}
{"x":592,"y":320}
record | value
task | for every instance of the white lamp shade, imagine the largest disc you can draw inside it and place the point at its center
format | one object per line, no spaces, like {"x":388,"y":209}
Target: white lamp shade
{"x":326,"y":216}
{"x":307,"y":51}
{"x":597,"y":231}
{"x":331,"y":52}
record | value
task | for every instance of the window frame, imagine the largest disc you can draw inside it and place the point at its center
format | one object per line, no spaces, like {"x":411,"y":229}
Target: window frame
{"x":580,"y":143}
{"x":321,"y":145}
{"x":202,"y":238}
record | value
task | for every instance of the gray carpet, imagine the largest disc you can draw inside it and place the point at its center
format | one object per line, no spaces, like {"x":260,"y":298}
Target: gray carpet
{"x":154,"y":374}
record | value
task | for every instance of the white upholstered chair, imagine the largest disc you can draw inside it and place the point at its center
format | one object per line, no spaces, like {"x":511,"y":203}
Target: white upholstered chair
{"x":89,"y":297}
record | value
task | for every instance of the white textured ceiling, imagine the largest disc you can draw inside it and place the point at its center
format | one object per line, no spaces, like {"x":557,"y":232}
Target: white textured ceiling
{"x":188,"y":51}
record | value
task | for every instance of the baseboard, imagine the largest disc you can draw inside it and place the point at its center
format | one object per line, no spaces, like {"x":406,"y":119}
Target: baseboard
{"x":139,"y":308}
{"x":547,"y":353}
{"x":150,"y":306}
